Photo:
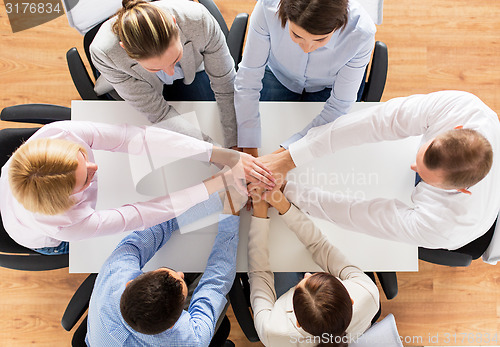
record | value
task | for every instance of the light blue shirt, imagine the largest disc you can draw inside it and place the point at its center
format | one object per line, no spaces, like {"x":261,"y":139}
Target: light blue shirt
{"x":178,"y":74}
{"x":196,"y":327}
{"x":339,"y":65}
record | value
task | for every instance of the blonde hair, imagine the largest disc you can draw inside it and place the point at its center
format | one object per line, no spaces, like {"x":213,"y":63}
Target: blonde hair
{"x":42,"y":175}
{"x":144,"y":30}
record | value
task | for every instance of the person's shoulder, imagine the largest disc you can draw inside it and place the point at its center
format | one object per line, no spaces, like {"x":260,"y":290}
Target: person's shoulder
{"x":105,"y":39}
{"x":183,"y":10}
{"x":359,"y":20}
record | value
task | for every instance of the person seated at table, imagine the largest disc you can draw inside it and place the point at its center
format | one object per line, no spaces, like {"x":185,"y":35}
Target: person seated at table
{"x":458,"y":161}
{"x":338,"y":304}
{"x":301,"y":50}
{"x":129,"y":307}
{"x":49,"y":185}
{"x":168,"y":50}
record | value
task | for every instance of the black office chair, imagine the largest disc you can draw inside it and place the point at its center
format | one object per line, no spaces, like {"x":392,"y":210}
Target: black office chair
{"x":239,"y":296}
{"x":13,"y":255}
{"x":234,"y":36}
{"x":459,"y":257}
{"x":85,"y":84}
{"x":375,"y":84}
{"x":35,"y":113}
{"x":79,"y":304}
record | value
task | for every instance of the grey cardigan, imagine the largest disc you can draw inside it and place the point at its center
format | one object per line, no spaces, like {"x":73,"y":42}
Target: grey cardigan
{"x":203,"y":42}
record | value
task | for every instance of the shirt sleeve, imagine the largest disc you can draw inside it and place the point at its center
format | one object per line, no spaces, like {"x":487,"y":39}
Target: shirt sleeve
{"x":384,"y":218}
{"x":344,"y":91}
{"x":137,"y":216}
{"x":395,"y":119}
{"x":248,"y":83}
{"x":139,"y":93}
{"x":219,"y":66}
{"x":261,"y":278}
{"x":209,"y":297}
{"x":129,"y":139}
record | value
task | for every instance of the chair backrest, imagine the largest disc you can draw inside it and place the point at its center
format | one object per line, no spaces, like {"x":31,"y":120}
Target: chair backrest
{"x":374,"y":87}
{"x":384,"y":333}
{"x":235,"y":36}
{"x":462,"y":256}
{"x":13,"y":255}
{"x":214,"y":11}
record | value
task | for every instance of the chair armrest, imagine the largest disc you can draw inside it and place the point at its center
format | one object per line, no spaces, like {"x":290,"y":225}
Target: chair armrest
{"x":241,"y":310}
{"x":35,"y":113}
{"x":78,"y":303}
{"x":236,"y":37}
{"x":444,"y":257}
{"x":80,"y":76}
{"x":375,"y":85}
{"x":389,"y":283}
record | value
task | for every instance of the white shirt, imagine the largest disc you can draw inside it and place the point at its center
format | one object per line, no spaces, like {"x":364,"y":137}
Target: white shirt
{"x":275,"y":320}
{"x":339,"y":65}
{"x":439,"y":218}
{"x":35,"y":230}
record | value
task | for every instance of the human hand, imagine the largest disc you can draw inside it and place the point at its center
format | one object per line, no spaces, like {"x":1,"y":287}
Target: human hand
{"x":260,"y":206}
{"x":256,"y":172}
{"x":279,"y":163}
{"x":277,"y":199}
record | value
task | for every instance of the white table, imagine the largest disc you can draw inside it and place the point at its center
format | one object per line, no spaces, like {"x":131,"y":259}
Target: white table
{"x":372,"y":170}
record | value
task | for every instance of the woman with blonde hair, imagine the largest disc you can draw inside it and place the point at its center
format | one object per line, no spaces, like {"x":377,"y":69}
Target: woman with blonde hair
{"x":168,"y":50}
{"x":49,"y":185}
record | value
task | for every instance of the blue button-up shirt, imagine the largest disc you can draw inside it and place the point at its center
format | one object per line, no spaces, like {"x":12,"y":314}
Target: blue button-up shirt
{"x":106,"y":326}
{"x":339,"y":65}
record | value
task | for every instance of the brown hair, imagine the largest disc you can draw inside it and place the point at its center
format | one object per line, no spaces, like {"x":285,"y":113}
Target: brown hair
{"x":323,"y":305}
{"x":144,"y":30}
{"x":317,"y":17}
{"x":152,"y":302}
{"x":42,"y":175}
{"x":464,"y":155}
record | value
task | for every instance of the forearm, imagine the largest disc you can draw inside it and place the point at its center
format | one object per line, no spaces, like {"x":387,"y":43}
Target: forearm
{"x":384,"y":218}
{"x":208,"y":299}
{"x":137,"y":216}
{"x":261,"y":278}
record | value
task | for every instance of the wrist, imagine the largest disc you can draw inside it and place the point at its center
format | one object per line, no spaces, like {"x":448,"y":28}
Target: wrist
{"x":260,"y":210}
{"x":283,"y":206}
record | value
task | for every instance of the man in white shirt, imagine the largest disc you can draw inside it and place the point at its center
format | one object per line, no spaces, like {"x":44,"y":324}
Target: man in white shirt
{"x":450,"y":209}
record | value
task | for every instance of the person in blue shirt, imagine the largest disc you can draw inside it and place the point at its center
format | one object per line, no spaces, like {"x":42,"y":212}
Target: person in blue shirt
{"x":301,"y":50}
{"x":132,"y":308}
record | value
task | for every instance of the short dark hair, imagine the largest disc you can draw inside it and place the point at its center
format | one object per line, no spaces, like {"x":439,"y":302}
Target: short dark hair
{"x":464,"y":155}
{"x":317,"y":17}
{"x":152,"y":302}
{"x":323,"y":305}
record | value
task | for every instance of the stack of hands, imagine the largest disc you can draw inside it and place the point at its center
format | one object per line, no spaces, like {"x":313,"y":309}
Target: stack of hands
{"x":260,"y":179}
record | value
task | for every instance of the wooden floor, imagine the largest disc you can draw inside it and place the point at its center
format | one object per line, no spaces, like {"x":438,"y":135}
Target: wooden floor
{"x":433,"y":45}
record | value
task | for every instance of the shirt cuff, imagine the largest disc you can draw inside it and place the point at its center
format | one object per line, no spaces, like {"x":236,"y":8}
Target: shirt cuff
{"x":249,"y":137}
{"x":291,"y":139}
{"x":290,"y":216}
{"x":291,"y":192}
{"x":300,"y":152}
{"x":229,"y":223}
